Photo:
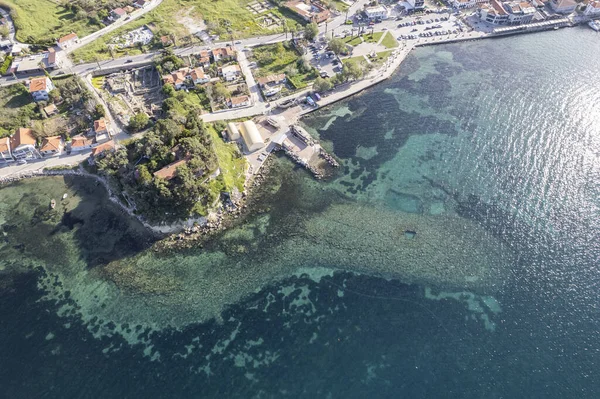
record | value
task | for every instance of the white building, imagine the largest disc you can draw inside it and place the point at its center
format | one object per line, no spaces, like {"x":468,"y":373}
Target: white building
{"x":233,"y":132}
{"x":592,"y":9}
{"x":51,"y":146}
{"x":251,"y":136}
{"x":377,"y":12}
{"x":231,"y":72}
{"x":416,"y":4}
{"x":462,"y":4}
{"x":507,"y":13}
{"x":198,"y":76}
{"x":81,"y":143}
{"x":238,"y":102}
{"x":22,"y":144}
{"x":67,"y":40}
{"x":5,"y":155}
{"x":563,"y":6}
{"x":40,"y":87}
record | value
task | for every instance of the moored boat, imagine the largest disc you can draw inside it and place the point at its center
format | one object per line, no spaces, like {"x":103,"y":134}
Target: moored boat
{"x":52,"y":203}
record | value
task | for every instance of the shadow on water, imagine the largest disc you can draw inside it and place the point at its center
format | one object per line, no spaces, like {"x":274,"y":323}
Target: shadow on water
{"x":100,"y":230}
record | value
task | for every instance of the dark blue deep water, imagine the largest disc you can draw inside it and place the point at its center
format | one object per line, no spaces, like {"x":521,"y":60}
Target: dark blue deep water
{"x":503,"y":133}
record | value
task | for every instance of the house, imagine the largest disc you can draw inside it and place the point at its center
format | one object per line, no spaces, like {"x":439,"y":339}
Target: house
{"x":204,"y":59}
{"x":5,"y":155}
{"x":51,"y":146}
{"x":22,"y":144}
{"x":271,"y":85}
{"x":101,"y":131}
{"x":178,"y":78}
{"x":416,"y":4}
{"x":230,"y":72}
{"x":238,"y":102}
{"x":377,"y":12}
{"x":81,"y":143}
{"x":272,"y":80}
{"x":592,"y":9}
{"x":34,"y":62}
{"x":141,"y":3}
{"x":198,"y":76}
{"x":563,"y":6}
{"x":106,"y":147}
{"x":507,"y":13}
{"x":223,"y":54}
{"x":67,"y":40}
{"x":50,"y":110}
{"x":251,"y":136}
{"x":462,"y":4}
{"x":117,"y":14}
{"x":170,"y":171}
{"x":40,"y":87}
{"x":308,"y":10}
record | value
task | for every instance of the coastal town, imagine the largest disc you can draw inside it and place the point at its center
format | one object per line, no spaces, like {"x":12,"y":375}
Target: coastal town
{"x":193,"y":119}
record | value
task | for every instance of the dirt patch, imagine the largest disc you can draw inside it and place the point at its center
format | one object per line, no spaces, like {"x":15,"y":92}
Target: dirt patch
{"x":192,"y":23}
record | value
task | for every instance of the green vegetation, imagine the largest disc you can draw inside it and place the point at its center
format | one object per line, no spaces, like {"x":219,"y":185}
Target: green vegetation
{"x":372,"y":38}
{"x":225,"y":18}
{"x":188,"y":188}
{"x":138,"y":122}
{"x":43,"y":21}
{"x":353,"y":40}
{"x":231,"y":162}
{"x":5,"y":64}
{"x":389,"y":41}
{"x":322,"y":85}
{"x":98,"y":82}
{"x":283,"y":58}
{"x":311,"y":31}
{"x":17,"y":109}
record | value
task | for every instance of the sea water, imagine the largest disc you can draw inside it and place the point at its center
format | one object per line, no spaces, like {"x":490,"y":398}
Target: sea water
{"x":455,"y":254}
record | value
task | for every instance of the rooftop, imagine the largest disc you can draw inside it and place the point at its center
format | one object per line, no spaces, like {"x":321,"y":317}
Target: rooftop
{"x":170,"y":171}
{"x":68,"y":37}
{"x":100,"y":125}
{"x":51,"y":143}
{"x":37,"y":84}
{"x":23,"y":136}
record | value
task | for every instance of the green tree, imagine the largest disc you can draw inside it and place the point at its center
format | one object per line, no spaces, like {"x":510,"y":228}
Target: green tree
{"x":321,"y":85}
{"x":220,"y":92}
{"x":144,"y":176}
{"x":311,"y":31}
{"x":139,"y":122}
{"x":337,"y":45}
{"x":167,"y":130}
{"x":99,"y":111}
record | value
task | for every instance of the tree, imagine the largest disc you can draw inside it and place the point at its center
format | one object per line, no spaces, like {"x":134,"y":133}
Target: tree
{"x":321,"y":85}
{"x":220,"y":92}
{"x":99,"y":111}
{"x":311,"y":31}
{"x":337,"y":45}
{"x":138,"y":122}
{"x":54,"y":95}
{"x":352,"y":70}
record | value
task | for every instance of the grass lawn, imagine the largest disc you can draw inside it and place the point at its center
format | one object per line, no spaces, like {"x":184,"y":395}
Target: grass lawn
{"x":358,"y":59}
{"x":389,"y":41}
{"x":42,"y":21}
{"x":231,"y":162}
{"x":374,"y":38}
{"x":280,"y":58}
{"x":353,"y":41}
{"x":16,"y":108}
{"x":381,"y":57}
{"x":170,"y":18}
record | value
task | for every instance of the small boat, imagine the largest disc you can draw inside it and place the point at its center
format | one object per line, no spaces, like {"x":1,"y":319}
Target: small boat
{"x":595,"y":25}
{"x":52,"y":203}
{"x":65,"y":195}
{"x":555,"y":28}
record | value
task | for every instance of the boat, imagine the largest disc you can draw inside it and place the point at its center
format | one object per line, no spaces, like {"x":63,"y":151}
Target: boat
{"x":52,"y":203}
{"x":65,"y":195}
{"x":595,"y":25}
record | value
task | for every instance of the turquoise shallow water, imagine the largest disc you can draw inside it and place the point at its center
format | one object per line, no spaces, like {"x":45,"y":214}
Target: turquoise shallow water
{"x":471,"y":177}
